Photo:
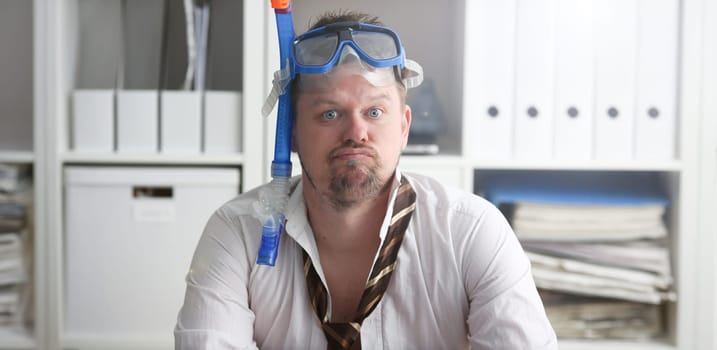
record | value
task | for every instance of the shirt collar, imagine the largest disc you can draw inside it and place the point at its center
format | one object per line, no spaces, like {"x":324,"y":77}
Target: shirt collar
{"x":297,"y":224}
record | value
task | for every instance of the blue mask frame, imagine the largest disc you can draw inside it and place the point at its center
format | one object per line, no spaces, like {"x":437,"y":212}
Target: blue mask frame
{"x":343,"y":33}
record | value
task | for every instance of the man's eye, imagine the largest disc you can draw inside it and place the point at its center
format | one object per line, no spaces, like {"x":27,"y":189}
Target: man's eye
{"x":375,"y":112}
{"x":330,"y":115}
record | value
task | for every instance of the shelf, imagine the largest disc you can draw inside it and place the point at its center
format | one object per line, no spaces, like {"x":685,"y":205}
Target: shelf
{"x":17,"y":340}
{"x":111,"y":342}
{"x":671,"y":166}
{"x":16,"y":157}
{"x":154,"y":159}
{"x":613,"y":345}
{"x":456,"y":160}
{"x":438,"y":160}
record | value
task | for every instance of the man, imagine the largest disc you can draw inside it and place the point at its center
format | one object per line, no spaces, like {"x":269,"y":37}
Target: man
{"x":371,"y":257}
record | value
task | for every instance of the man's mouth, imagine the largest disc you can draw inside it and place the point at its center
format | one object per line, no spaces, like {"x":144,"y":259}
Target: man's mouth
{"x":352,"y":154}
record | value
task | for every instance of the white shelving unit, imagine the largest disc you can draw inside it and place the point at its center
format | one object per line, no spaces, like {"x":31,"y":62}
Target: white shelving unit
{"x":54,"y":66}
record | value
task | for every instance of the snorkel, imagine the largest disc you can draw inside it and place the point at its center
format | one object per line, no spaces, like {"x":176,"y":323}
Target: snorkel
{"x":273,"y":199}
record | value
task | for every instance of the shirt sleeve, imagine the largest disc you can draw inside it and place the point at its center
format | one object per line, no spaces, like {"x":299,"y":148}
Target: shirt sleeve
{"x":216,"y":314}
{"x":505,"y":310}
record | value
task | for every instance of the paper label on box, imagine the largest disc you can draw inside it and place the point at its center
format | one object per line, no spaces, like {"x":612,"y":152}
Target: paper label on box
{"x":150,"y":210}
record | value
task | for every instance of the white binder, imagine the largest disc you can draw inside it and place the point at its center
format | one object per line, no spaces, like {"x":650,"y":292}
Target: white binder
{"x":488,"y":79}
{"x":534,"y":75}
{"x":574,"y":61}
{"x":615,"y":39}
{"x":93,"y":121}
{"x":222,"y":122}
{"x":656,"y":80}
{"x":137,"y":121}
{"x":180,"y":122}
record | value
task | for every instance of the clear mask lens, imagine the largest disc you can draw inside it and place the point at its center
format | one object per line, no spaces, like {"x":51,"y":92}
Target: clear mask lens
{"x":316,"y":51}
{"x":379,"y":46}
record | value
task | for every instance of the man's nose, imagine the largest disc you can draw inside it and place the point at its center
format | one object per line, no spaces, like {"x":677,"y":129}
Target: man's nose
{"x":356,"y":128}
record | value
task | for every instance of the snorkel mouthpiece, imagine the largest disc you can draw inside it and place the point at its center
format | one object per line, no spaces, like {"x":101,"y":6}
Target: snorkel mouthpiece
{"x":269,"y":209}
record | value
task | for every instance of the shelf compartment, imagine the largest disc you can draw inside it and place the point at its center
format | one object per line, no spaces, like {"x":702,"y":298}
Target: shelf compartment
{"x":571,"y":344}
{"x":160,"y":159}
{"x":667,"y":166}
{"x":16,"y":339}
{"x":16,"y":157}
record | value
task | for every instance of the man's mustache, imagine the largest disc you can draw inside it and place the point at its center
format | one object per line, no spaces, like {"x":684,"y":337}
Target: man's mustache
{"x":352,"y":145}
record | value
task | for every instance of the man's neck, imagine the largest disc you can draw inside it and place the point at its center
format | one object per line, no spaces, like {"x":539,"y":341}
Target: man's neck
{"x":343,"y":228}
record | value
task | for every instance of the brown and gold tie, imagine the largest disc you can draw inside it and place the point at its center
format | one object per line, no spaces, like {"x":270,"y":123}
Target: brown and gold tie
{"x":343,"y":335}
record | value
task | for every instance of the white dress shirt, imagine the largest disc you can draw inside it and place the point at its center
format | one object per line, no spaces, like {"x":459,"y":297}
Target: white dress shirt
{"x":462,"y":281}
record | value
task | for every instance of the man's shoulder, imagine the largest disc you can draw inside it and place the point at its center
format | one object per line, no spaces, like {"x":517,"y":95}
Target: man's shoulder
{"x":241,"y":204}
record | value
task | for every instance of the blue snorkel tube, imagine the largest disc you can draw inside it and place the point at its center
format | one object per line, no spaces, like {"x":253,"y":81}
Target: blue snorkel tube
{"x":273,"y":199}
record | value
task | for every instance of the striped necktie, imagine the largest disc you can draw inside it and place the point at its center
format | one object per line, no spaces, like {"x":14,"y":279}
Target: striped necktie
{"x":343,"y":335}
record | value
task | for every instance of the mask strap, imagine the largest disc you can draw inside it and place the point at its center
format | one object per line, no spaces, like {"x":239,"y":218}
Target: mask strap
{"x":282,"y":77}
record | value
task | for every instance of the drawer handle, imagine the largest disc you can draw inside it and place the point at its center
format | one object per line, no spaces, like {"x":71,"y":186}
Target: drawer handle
{"x":152,"y":192}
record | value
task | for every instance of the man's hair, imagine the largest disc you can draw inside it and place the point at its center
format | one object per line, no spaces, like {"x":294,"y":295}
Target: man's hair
{"x":345,"y":16}
{"x":338,"y":16}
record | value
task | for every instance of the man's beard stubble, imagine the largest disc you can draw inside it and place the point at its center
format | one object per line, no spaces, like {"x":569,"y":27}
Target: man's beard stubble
{"x":353,"y":181}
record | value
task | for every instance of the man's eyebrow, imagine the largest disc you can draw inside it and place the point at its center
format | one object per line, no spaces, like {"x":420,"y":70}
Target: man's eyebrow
{"x":380,"y":95}
{"x":323,"y":101}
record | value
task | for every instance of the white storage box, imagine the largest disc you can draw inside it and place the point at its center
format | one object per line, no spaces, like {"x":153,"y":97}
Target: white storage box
{"x":181,"y":122}
{"x":222,"y":122}
{"x":137,"y":121}
{"x":130,"y":236}
{"x":93,"y":121}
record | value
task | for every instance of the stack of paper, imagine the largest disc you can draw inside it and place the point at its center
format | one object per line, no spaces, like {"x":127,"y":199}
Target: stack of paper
{"x":14,"y":227}
{"x":585,"y":222}
{"x":575,"y":276}
{"x":602,"y":246}
{"x":595,"y":318}
{"x":13,"y":178}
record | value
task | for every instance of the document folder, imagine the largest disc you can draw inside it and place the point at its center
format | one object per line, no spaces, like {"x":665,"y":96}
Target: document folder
{"x":574,"y":79}
{"x":616,"y":36}
{"x":488,"y":79}
{"x":534,"y":79}
{"x":656,"y":80}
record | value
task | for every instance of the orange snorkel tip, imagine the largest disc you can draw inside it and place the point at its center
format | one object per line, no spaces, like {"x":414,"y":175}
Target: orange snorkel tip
{"x":280,"y":4}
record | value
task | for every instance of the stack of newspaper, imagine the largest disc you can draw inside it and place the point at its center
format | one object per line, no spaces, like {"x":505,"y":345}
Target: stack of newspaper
{"x":14,"y":227}
{"x":599,"y":253}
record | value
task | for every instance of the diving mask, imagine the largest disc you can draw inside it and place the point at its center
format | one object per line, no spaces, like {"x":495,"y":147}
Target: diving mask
{"x":372,"y":51}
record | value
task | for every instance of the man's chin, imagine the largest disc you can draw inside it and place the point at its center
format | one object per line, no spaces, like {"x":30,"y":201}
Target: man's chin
{"x":354,"y":185}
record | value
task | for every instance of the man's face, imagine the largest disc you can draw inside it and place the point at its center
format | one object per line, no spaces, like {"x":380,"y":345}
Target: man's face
{"x":349,"y":135}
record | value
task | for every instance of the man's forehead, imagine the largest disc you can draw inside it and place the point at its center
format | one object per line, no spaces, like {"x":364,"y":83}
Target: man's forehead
{"x":337,"y":96}
{"x":349,"y":88}
{"x":376,"y":76}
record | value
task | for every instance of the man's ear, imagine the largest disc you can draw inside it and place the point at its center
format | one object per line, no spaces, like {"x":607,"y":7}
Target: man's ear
{"x":406,"y":125}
